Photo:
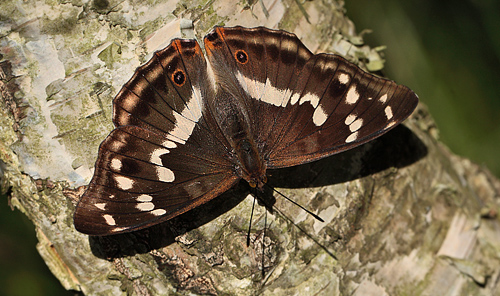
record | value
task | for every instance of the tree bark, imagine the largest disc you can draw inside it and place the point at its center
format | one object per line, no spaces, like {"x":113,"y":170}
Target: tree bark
{"x":403,"y":215}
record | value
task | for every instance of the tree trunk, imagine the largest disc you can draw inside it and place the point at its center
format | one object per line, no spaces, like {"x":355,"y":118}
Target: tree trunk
{"x":403,"y":216}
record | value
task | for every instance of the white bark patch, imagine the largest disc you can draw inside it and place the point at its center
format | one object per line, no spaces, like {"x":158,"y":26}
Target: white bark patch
{"x":101,"y":206}
{"x":460,"y":238}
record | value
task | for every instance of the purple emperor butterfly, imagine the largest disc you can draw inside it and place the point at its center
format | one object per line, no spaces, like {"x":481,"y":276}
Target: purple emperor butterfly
{"x":190,"y":126}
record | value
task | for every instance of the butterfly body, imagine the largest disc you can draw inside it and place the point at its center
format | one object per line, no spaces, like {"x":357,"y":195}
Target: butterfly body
{"x":188,"y":127}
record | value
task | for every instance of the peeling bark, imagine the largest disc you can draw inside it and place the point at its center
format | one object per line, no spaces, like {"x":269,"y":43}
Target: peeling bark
{"x":403,"y":215}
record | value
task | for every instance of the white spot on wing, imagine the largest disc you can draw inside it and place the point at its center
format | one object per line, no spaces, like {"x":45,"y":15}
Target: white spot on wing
{"x":116,"y":164}
{"x":295,"y":98}
{"x":144,"y":198}
{"x":100,"y":206}
{"x":319,"y":116}
{"x":264,"y":92}
{"x":193,"y":109}
{"x":272,"y":95}
{"x":169,"y":144}
{"x":183,"y":127}
{"x":165,"y":174}
{"x":390,"y":124}
{"x":211,"y":75}
{"x":352,"y":137}
{"x":155,"y":155}
{"x":176,"y":139}
{"x":286,"y":97}
{"x":352,"y":95}
{"x":383,"y":99}
{"x":109,"y":219}
{"x":349,"y":119}
{"x":117,"y":145}
{"x":145,"y":206}
{"x":314,"y":99}
{"x":187,"y":119}
{"x":159,"y":212}
{"x":124,"y":183}
{"x":356,"y":125}
{"x":343,"y":78}
{"x":388,"y":112}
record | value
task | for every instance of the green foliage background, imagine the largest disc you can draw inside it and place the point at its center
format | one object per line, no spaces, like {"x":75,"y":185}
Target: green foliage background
{"x":448,"y":52}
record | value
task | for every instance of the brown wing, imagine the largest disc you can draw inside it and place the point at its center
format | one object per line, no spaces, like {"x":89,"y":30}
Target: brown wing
{"x":304,"y":106}
{"x":166,"y":156}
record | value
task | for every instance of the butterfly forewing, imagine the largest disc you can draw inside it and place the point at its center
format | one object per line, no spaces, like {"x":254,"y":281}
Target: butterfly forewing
{"x":354,"y":108}
{"x":308,"y":106}
{"x":165,"y":156}
{"x":263,"y":63}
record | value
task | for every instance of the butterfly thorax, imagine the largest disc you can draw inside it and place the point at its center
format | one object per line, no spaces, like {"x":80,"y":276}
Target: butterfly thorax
{"x":234,"y":123}
{"x":251,"y":166}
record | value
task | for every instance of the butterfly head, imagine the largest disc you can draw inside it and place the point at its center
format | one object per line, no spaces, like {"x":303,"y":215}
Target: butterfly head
{"x":251,"y":166}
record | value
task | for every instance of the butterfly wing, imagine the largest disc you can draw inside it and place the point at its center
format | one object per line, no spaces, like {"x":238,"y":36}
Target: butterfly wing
{"x":165,"y":156}
{"x":306,"y":106}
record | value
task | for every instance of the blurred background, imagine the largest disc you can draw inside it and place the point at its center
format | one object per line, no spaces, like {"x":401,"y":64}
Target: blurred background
{"x":447,"y":51}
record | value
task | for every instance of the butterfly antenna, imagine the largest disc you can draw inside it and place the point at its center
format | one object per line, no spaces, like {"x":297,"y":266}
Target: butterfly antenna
{"x":263,"y":247}
{"x":307,"y":234}
{"x":295,"y":203}
{"x":250,"y":224}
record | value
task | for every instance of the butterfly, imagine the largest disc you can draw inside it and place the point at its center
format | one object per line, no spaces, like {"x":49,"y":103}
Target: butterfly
{"x":189,"y":125}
